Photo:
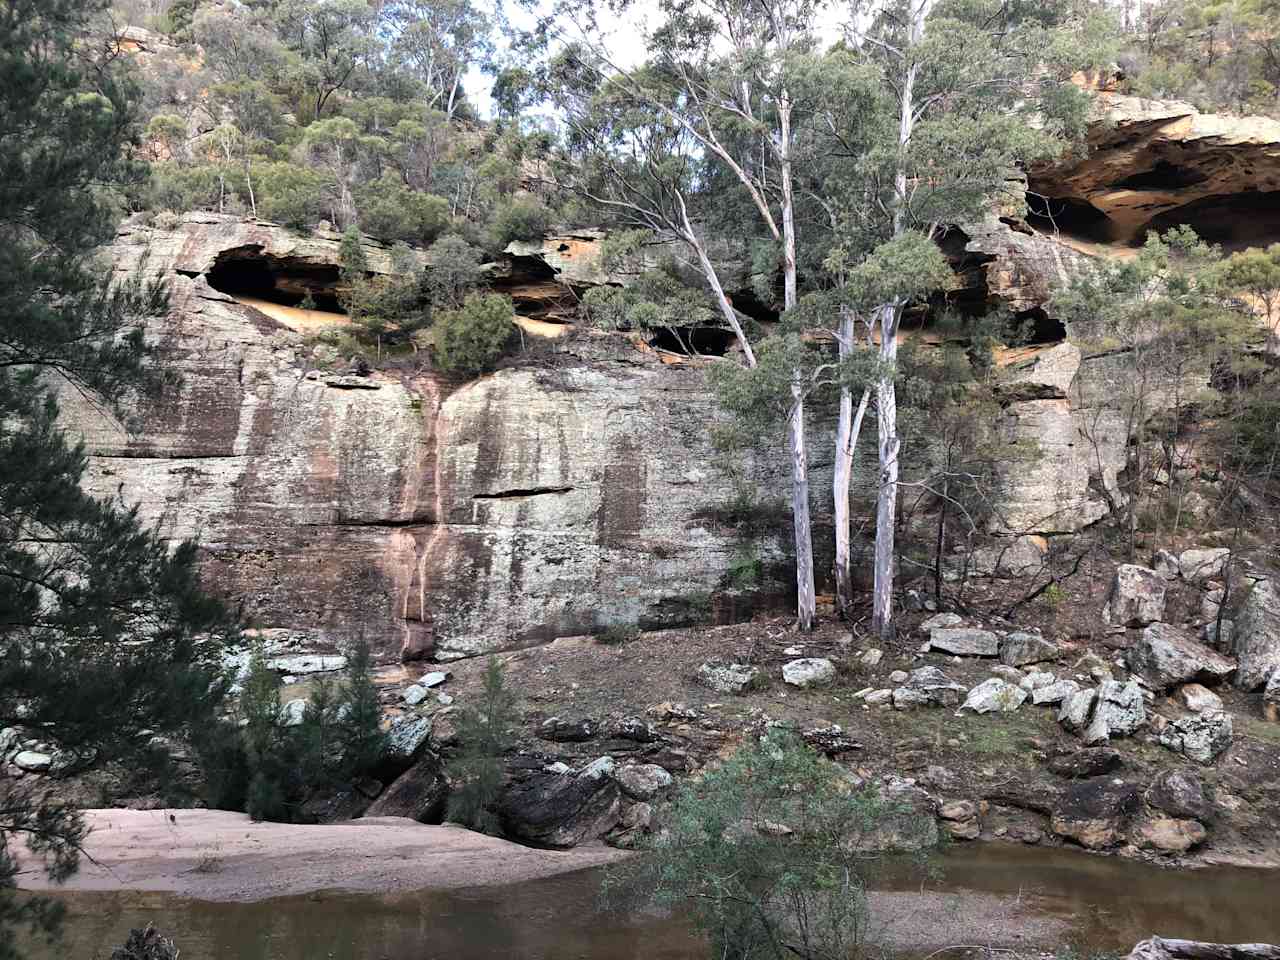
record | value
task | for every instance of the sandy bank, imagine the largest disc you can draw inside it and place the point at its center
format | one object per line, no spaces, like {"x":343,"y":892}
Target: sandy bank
{"x":216,"y":855}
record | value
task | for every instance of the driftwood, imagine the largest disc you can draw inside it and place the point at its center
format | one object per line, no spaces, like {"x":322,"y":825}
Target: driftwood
{"x":1158,"y":948}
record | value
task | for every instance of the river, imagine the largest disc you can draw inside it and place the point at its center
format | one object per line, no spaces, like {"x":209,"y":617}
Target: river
{"x":1110,"y":904}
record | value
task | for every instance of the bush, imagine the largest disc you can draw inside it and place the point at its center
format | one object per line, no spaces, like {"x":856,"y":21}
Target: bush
{"x":146,"y":944}
{"x":768,"y":854}
{"x":470,"y":339}
{"x":454,"y":272}
{"x":290,"y":194}
{"x":180,"y":188}
{"x":484,"y":736}
{"x":392,"y":211}
{"x":522,"y":218}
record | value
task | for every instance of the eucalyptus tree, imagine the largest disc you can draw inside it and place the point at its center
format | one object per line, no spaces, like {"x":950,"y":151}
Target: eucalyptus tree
{"x":713,"y":102}
{"x":971,"y":90}
{"x":437,"y":41}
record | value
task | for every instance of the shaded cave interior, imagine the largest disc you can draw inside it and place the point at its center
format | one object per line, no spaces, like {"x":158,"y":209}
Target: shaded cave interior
{"x":249,"y":272}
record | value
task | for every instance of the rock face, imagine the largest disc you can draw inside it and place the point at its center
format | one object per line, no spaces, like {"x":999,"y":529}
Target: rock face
{"x":1201,"y":737}
{"x":964,"y":641}
{"x":1094,"y":812}
{"x":420,"y":793}
{"x":1257,"y":636}
{"x":438,"y":517}
{"x":562,"y":809}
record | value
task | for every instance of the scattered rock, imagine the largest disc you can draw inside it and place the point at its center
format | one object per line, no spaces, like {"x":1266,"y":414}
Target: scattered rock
{"x":1037,"y":681}
{"x":941,"y":621}
{"x":435,"y":678}
{"x":1219,"y":634}
{"x":643,"y":781}
{"x":1010,"y":674}
{"x":33,"y":761}
{"x":560,"y":730}
{"x":830,"y":740}
{"x":964,"y":641}
{"x":415,"y":695}
{"x":1166,"y":564}
{"x":1085,"y":763}
{"x":879,"y":697}
{"x":1056,"y":692}
{"x":728,"y":677}
{"x":407,"y":736}
{"x":872,"y":657}
{"x":291,"y":713}
{"x":629,"y":728}
{"x":927,"y":686}
{"x":958,"y":810}
{"x":1093,"y":812}
{"x":1180,"y":794}
{"x":1020,"y":649}
{"x":1151,"y":831}
{"x":1136,"y":598}
{"x":1257,"y":636}
{"x":1076,"y":709}
{"x":809,"y":672}
{"x":1119,"y":712}
{"x":1198,"y":699}
{"x":562,"y":810}
{"x":420,"y":793}
{"x":1166,"y":655}
{"x":1271,"y":697}
{"x":994,"y":695}
{"x":1200,"y":565}
{"x":898,"y":676}
{"x":1201,"y":737}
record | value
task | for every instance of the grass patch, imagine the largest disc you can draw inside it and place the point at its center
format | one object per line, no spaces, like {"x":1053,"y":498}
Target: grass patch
{"x":1260,"y":729}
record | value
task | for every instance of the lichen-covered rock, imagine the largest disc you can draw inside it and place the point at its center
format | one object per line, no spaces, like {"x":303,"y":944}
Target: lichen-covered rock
{"x":1077,"y":708}
{"x":1201,"y":737}
{"x":994,"y":695}
{"x":728,"y":677}
{"x":927,"y":686}
{"x":808,"y":672}
{"x":1119,"y":711}
{"x":1257,"y":636}
{"x":964,"y":641}
{"x":1137,"y":596}
{"x":1056,"y":692}
{"x":565,"y":730}
{"x":1166,"y":655}
{"x":407,"y":736}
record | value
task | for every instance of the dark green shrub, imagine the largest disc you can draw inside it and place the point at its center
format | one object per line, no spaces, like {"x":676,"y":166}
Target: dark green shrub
{"x":290,"y":194}
{"x":390,"y":210}
{"x":521,"y":218}
{"x":470,"y":339}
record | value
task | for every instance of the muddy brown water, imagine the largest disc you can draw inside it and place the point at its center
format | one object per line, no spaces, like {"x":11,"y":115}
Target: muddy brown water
{"x":1111,"y":904}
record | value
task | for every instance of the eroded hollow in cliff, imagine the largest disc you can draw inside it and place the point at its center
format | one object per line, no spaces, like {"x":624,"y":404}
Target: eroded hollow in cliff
{"x":1069,"y":217}
{"x":693,"y":341}
{"x":249,"y":274}
{"x":1234,"y":222}
{"x":536,"y":292}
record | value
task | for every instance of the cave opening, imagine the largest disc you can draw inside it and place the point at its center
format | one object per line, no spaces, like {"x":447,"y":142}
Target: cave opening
{"x":1076,"y":219}
{"x":748,"y":303}
{"x":535,"y":290}
{"x":1163,"y":176}
{"x":1234,"y":222}
{"x":246,"y":273}
{"x":693,"y":341}
{"x":1034,"y":328}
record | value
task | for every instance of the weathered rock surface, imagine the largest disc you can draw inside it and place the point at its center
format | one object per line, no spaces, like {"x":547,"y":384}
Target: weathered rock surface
{"x":994,"y":696}
{"x":927,"y":687}
{"x":964,"y":641}
{"x":1201,"y":737}
{"x":1085,"y":763}
{"x":1021,"y":649}
{"x":1198,"y":699}
{"x":1166,"y":655}
{"x":1151,"y":831}
{"x":1137,"y":596}
{"x":1056,"y":692}
{"x":728,"y":677}
{"x":1257,"y":636}
{"x":809,"y":672}
{"x":420,"y":793}
{"x":1119,"y":711}
{"x":1094,"y":812}
{"x":562,"y":809}
{"x":1201,"y":565}
{"x":1180,"y":794}
{"x":643,"y":781}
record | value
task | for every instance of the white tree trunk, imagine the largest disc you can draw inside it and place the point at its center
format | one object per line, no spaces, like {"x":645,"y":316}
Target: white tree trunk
{"x":848,"y":429}
{"x":806,"y":602}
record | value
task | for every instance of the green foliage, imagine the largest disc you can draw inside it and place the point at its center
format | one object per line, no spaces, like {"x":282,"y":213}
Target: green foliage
{"x":146,"y":944}
{"x":291,"y":194}
{"x":655,"y":300}
{"x":339,"y":738}
{"x":180,"y":188}
{"x":521,"y":218}
{"x":471,"y":338}
{"x":454,"y":271}
{"x":105,"y":630}
{"x":746,"y":568}
{"x":618,"y":634}
{"x":484,"y":738}
{"x":770,"y":855}
{"x":392,"y":211}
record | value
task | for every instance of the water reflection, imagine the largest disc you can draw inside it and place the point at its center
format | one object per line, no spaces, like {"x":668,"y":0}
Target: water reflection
{"x":1112,"y":903}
